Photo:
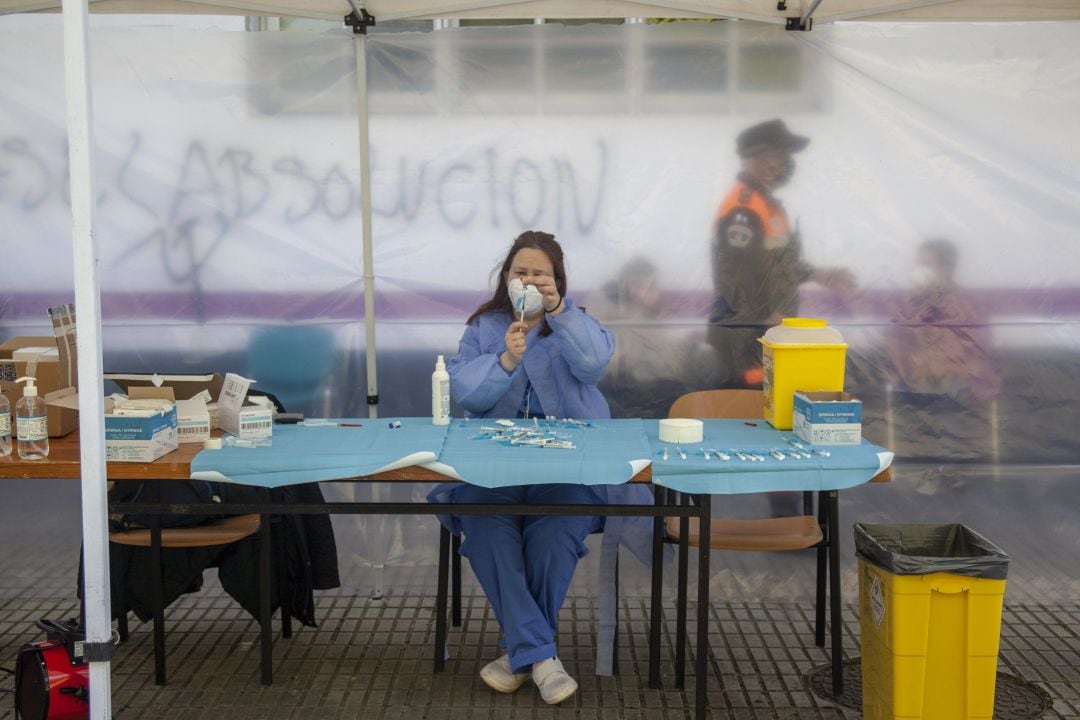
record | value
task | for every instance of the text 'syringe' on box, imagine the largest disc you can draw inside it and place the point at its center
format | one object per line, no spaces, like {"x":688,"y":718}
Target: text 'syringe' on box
{"x":828,"y":417}
{"x":139,"y":430}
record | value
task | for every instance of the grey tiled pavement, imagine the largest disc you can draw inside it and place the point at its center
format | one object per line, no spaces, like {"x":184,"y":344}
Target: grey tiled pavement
{"x":372,"y":658}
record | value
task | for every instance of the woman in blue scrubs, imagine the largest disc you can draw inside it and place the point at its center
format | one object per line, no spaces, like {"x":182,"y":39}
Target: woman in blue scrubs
{"x":546,"y":363}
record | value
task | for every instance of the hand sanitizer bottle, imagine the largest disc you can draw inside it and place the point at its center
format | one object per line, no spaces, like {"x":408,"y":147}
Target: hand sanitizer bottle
{"x":440,"y":394}
{"x":31,"y":423}
{"x":5,"y":426}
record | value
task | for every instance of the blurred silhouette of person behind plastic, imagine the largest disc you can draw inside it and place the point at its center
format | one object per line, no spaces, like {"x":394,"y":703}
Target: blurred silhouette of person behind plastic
{"x":643,"y":377}
{"x":758,"y":265}
{"x":944,"y":379}
{"x":757,"y":258}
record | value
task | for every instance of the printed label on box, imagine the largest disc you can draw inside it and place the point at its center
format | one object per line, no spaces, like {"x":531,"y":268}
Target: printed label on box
{"x":192,"y":420}
{"x":235,"y":418}
{"x":827,"y":418}
{"x":132,"y":438}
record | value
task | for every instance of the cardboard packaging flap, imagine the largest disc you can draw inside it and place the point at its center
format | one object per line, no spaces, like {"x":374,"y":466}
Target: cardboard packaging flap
{"x":67,"y":398}
{"x":184,"y":387}
{"x":152,"y":393}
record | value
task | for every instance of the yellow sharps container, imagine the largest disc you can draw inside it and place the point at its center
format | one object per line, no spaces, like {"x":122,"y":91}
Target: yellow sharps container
{"x":930,"y":599}
{"x":799,"y":354}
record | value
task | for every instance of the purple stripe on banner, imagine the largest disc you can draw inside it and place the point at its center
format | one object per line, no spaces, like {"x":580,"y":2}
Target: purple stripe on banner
{"x":403,"y":305}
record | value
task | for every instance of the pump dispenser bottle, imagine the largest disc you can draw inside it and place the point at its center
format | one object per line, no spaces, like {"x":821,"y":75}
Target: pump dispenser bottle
{"x":5,"y":426}
{"x":440,"y":394}
{"x":31,"y":423}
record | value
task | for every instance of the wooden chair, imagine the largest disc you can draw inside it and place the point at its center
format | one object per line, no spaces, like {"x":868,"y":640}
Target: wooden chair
{"x":228,"y":530}
{"x":762,"y":534}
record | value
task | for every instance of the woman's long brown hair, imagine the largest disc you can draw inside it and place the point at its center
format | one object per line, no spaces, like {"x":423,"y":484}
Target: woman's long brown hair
{"x":536,"y":240}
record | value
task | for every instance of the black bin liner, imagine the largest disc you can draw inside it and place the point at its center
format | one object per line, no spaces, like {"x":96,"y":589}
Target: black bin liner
{"x":921,"y":549}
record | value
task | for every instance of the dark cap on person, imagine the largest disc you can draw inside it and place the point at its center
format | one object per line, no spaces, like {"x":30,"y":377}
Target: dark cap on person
{"x":769,"y":134}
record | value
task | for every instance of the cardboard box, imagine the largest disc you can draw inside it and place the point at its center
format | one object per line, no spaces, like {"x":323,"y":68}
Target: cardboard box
{"x":184,"y":387}
{"x":139,"y":437}
{"x":828,"y":417}
{"x":250,"y":421}
{"x":239,"y":419}
{"x":192,"y":420}
{"x":56,"y":374}
{"x":37,"y":352}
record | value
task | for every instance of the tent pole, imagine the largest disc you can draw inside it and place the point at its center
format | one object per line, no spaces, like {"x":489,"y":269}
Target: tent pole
{"x":365,"y":209}
{"x":96,"y":595}
{"x":378,"y":546}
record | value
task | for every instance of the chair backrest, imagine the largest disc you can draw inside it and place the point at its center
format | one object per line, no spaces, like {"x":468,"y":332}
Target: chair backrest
{"x":773,"y":533}
{"x":719,"y":404}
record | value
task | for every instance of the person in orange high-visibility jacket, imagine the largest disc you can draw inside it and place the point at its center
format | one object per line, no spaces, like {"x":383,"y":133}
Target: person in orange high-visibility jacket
{"x":757,"y":265}
{"x":757,"y":262}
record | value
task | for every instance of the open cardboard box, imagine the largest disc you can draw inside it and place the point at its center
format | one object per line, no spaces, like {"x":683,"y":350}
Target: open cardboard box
{"x":56,"y":374}
{"x":184,"y":387}
{"x":141,"y":439}
{"x":828,"y":417}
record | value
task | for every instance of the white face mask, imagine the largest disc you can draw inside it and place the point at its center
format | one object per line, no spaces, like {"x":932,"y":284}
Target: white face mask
{"x":525,"y":298}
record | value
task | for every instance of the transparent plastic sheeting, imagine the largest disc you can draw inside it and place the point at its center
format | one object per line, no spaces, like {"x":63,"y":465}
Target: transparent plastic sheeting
{"x":941,"y":175}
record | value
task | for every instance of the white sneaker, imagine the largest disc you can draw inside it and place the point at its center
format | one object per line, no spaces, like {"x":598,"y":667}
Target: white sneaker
{"x":554,"y":683}
{"x":498,"y":675}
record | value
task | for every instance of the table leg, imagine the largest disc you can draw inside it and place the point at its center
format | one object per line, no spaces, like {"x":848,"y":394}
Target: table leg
{"x":265,"y":614}
{"x":439,"y":661}
{"x":822,"y":566}
{"x":157,"y":572}
{"x":702,"y":659}
{"x":455,"y":577}
{"x":660,"y":495}
{"x":680,"y":602}
{"x":834,"y":594}
{"x":615,"y":618}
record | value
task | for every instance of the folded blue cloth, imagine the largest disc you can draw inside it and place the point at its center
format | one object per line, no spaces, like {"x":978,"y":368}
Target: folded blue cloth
{"x":311,"y":453}
{"x":608,"y":452}
{"x":846,"y":466}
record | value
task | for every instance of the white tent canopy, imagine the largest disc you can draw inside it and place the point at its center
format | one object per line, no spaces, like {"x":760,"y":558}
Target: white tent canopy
{"x":823,"y":11}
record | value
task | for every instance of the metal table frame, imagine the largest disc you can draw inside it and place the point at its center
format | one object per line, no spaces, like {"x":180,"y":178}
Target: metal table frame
{"x":63,"y":463}
{"x":659,"y":510}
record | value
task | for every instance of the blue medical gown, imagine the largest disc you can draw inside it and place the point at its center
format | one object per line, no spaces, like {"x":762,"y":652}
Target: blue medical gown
{"x":563,"y":369}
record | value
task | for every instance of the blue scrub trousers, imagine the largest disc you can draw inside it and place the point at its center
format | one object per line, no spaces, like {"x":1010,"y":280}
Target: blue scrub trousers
{"x":525,"y":563}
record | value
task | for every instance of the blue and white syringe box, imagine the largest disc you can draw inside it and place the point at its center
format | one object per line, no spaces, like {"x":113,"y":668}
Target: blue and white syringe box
{"x":139,"y":435}
{"x":827,"y":417}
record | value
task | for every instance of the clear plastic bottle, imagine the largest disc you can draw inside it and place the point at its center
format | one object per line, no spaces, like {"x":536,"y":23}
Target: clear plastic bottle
{"x":5,"y":426}
{"x":440,"y":394}
{"x":31,"y":423}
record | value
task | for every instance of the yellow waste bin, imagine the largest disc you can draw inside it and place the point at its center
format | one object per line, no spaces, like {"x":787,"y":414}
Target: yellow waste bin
{"x":799,"y":354}
{"x":930,"y":600}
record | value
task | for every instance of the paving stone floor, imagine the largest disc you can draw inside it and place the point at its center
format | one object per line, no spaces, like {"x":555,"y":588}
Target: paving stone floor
{"x":372,"y":658}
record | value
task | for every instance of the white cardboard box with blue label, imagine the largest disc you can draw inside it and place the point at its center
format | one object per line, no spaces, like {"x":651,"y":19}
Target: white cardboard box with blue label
{"x":828,"y":417}
{"x":139,"y":430}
